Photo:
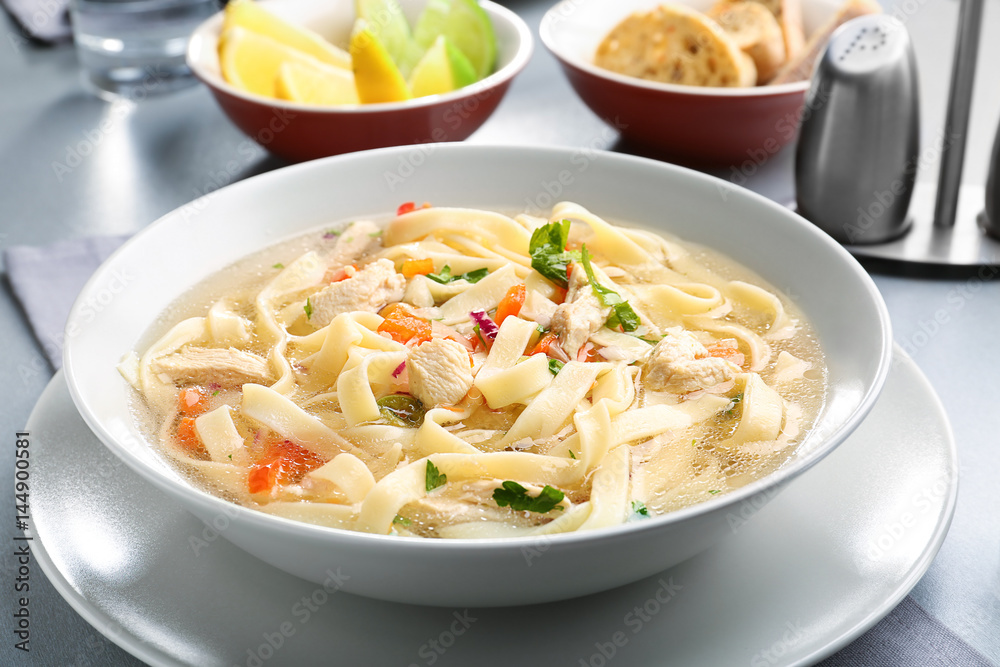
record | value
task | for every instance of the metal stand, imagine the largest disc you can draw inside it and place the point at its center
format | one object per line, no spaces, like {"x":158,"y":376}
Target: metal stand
{"x":962,"y":244}
{"x":946,"y":229}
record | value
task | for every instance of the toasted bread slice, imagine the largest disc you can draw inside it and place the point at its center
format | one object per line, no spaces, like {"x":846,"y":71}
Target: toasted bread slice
{"x":675,"y":44}
{"x":756,"y":32}
{"x":800,"y":68}
{"x":789,"y":16}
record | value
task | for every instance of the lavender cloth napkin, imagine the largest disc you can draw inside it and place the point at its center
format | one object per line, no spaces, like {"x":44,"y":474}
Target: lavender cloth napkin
{"x":44,"y":20}
{"x":47,"y":279}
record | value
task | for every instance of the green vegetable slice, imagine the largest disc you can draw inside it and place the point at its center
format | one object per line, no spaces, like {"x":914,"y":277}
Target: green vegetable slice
{"x":401,"y":410}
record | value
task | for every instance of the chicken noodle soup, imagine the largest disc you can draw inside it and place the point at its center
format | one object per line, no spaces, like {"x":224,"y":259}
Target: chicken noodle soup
{"x":460,"y":373}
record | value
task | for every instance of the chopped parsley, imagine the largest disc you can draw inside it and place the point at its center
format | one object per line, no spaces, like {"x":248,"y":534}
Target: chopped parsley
{"x":549,"y":256}
{"x":376,"y":234}
{"x":621,"y":312}
{"x":445,"y":276}
{"x":516,"y":497}
{"x":734,"y":401}
{"x":434,"y":477}
{"x":230,"y":457}
{"x":279,"y":265}
{"x":401,"y":410}
{"x":714,"y":492}
{"x":215,"y":393}
{"x":309,"y":309}
{"x":401,"y":520}
{"x":639,"y":508}
{"x":555,"y":366}
{"x":571,"y":454}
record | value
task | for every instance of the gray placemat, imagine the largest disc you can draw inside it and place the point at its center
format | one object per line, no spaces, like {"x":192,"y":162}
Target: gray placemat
{"x":47,"y":279}
{"x":908,"y":636}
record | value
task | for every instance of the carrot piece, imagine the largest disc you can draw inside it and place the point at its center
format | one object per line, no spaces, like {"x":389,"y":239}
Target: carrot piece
{"x":417,"y":267}
{"x":510,"y":304}
{"x":732,"y":354}
{"x":193,"y":401}
{"x":543,"y":345}
{"x":587,"y":353}
{"x":283,"y":463}
{"x":405,"y":208}
{"x":187,"y":436}
{"x":260,"y":479}
{"x":403,"y":326}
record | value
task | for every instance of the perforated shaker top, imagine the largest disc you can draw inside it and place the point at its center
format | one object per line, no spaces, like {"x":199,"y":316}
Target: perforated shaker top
{"x":867,"y":43}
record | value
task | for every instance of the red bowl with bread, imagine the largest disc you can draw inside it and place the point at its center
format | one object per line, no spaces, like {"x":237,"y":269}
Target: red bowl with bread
{"x":706,"y":82}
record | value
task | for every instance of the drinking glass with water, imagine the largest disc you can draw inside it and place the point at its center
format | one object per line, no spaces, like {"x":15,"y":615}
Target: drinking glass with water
{"x":136,"y":48}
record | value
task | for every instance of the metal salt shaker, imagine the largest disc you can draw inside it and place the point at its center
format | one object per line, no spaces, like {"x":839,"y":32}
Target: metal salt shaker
{"x":859,"y":139}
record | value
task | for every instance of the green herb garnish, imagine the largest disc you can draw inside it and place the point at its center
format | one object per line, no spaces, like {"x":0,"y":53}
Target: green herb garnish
{"x":639,"y":508}
{"x":376,"y":234}
{"x":479,"y":335}
{"x":401,"y":410}
{"x":309,"y":309}
{"x":215,"y":393}
{"x":434,"y":478}
{"x":279,"y":265}
{"x":571,"y":454}
{"x":547,"y":249}
{"x":555,"y":366}
{"x":714,"y":491}
{"x":622,"y":314}
{"x":230,"y":457}
{"x":516,"y":496}
{"x":445,"y":276}
{"x":402,"y":520}
{"x":734,"y":402}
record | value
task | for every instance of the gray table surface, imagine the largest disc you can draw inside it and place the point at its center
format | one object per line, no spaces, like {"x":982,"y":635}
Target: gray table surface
{"x":163,"y":153}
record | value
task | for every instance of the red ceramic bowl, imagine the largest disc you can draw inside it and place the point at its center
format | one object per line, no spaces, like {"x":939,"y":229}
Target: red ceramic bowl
{"x":710,"y":126}
{"x":300,"y":132}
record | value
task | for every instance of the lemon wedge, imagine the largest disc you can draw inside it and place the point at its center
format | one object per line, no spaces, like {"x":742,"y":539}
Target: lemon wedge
{"x":248,"y":15}
{"x":375,"y":74}
{"x":251,"y":61}
{"x":315,"y":84}
{"x":442,"y":69}
{"x":386,"y":20}
{"x":466,"y":25}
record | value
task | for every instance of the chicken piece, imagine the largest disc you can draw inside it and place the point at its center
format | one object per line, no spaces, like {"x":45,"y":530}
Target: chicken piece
{"x":227,"y":367}
{"x":370,"y":289}
{"x":440,"y":372}
{"x":679,"y":363}
{"x":580,"y":315}
{"x":359,"y":239}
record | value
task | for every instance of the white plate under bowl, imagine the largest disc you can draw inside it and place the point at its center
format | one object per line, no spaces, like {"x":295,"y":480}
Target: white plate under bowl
{"x":817,"y":567}
{"x":129,"y":291}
